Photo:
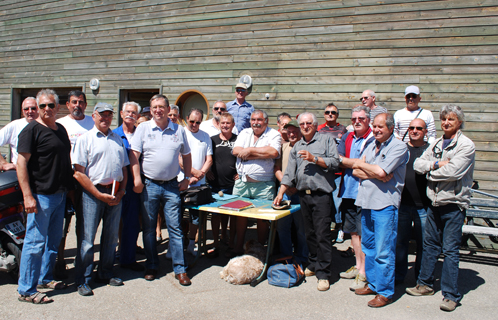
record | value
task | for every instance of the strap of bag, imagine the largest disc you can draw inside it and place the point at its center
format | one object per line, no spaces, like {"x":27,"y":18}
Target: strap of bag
{"x":406,"y":132}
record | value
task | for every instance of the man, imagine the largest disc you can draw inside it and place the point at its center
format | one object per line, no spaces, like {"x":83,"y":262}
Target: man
{"x":160,"y":142}
{"x":449,"y":165}
{"x":202,"y":159}
{"x":212,"y":126}
{"x":240,"y":109}
{"x":222,"y":175}
{"x":382,"y":174}
{"x":403,"y":117}
{"x":336,"y":130}
{"x":174,"y":113}
{"x":312,"y":163}
{"x":286,"y":224}
{"x":368,"y":99}
{"x":99,"y":159}
{"x":76,"y":124}
{"x":256,"y":149}
{"x":131,"y":200}
{"x":11,"y":131}
{"x":414,"y":203}
{"x":351,"y":149}
{"x":45,"y":175}
{"x":283,"y":118}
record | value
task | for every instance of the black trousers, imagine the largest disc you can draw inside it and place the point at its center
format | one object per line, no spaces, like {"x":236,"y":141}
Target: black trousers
{"x":318,"y":209}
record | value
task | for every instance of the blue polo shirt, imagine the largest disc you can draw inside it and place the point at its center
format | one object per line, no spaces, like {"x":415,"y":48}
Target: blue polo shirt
{"x":241,"y":114}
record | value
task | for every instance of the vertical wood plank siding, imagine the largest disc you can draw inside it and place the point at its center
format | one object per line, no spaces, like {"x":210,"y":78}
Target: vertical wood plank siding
{"x":303,"y":53}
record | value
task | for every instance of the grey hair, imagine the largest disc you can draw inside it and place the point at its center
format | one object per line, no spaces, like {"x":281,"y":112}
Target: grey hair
{"x":133,"y":103}
{"x":283,"y":115}
{"x":27,"y":99}
{"x":218,"y":101}
{"x":315,"y":119}
{"x":389,"y":119}
{"x":265,"y":115}
{"x":450,"y":108}
{"x":360,"y":108}
{"x":370,"y":92}
{"x":174,"y":107}
{"x":47,"y":93}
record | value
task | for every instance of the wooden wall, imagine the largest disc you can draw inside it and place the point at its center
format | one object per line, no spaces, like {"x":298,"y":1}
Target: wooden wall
{"x":304,"y":53}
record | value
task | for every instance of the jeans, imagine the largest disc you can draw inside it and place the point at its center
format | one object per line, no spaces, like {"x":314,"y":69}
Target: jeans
{"x":93,"y":211}
{"x":131,"y":225}
{"x":167,"y":195}
{"x":337,"y":200}
{"x":41,"y":243}
{"x":317,"y":209}
{"x":443,"y":231}
{"x":378,"y":242}
{"x":284,"y":227}
{"x":407,"y":215}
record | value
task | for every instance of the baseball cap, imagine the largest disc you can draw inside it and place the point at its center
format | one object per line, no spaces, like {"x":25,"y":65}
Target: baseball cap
{"x":241,"y":85}
{"x":412,"y":89}
{"x":291,"y":123}
{"x":146,"y":109}
{"x":102,"y":106}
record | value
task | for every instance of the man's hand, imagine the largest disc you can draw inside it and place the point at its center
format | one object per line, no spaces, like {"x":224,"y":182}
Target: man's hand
{"x":30,"y":204}
{"x":8,"y":166}
{"x":183,"y":185}
{"x":278,"y":199}
{"x":306,"y":155}
{"x":193,"y":180}
{"x":107,"y":198}
{"x":387,"y":178}
{"x":358,"y":163}
{"x":197,"y":173}
{"x":443,"y":163}
{"x":117,"y":198}
{"x":139,"y":186}
{"x":236,"y":177}
{"x":244,"y":153}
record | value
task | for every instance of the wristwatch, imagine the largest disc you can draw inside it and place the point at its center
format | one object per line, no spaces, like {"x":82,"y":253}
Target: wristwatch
{"x":436,"y":165}
{"x":340,"y":159}
{"x":315,"y":160}
{"x":188,"y":178}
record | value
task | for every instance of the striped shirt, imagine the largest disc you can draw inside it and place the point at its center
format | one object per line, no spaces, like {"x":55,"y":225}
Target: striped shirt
{"x":403,"y":117}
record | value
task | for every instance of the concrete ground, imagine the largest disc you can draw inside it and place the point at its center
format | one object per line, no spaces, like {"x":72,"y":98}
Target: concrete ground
{"x":209,"y":297}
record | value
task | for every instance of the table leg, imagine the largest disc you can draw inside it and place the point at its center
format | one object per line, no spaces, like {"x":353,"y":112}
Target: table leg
{"x":269,"y":251}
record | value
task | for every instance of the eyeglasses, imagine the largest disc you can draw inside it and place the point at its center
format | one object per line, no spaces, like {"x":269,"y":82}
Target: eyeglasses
{"x":221,"y":109}
{"x":29,"y":108}
{"x":358,"y":119}
{"x":330,"y":112}
{"x":302,"y":124}
{"x":438,"y":153}
{"x":77,"y":102}
{"x":364,"y":98}
{"x":240,"y":90}
{"x":411,"y":96}
{"x":418,"y":128}
{"x":44,"y":105}
{"x":196,"y":122}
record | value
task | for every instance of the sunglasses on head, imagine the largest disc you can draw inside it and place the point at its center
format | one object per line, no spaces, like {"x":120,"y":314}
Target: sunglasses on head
{"x":418,"y":128}
{"x":330,"y":112}
{"x":221,"y":109}
{"x":29,"y":108}
{"x":44,"y":105}
{"x":196,"y":122}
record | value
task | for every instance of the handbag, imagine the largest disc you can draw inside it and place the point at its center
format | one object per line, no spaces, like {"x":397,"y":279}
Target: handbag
{"x":285,"y":274}
{"x":196,"y":196}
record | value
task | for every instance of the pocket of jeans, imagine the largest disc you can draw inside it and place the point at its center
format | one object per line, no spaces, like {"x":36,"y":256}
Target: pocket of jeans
{"x":147,"y":182}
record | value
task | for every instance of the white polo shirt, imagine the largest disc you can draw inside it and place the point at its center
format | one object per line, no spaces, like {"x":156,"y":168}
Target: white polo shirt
{"x":201,"y":146}
{"x":260,"y":169}
{"x":9,"y":134}
{"x":160,"y":149}
{"x":103,"y":156}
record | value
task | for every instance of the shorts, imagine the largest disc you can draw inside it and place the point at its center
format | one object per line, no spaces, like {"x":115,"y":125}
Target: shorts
{"x":352,"y":216}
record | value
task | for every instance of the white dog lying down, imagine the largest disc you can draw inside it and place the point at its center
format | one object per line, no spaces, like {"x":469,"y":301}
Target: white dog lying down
{"x":243,"y":269}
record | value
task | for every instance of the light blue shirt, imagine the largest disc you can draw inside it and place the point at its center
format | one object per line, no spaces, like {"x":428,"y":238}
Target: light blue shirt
{"x":241,"y":114}
{"x":349,"y":188}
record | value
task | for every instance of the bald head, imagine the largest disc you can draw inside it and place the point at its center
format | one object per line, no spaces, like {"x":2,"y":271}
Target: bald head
{"x":368,"y":98}
{"x":417,"y":131}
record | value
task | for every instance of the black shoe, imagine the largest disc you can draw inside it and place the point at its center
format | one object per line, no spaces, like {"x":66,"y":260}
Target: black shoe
{"x":115,"y":282}
{"x":85,"y":290}
{"x":133,"y":266}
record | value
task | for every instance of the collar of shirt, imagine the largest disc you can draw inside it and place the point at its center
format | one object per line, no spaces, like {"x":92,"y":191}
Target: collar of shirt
{"x":154,"y":126}
{"x":365,"y":135}
{"x":383,"y":144}
{"x":97,"y":131}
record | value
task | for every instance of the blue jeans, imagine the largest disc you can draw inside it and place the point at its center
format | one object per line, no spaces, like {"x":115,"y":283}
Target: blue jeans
{"x":167,"y":195}
{"x":41,"y":243}
{"x":131,"y":225}
{"x":93,"y":211}
{"x":337,"y":200}
{"x":443,"y":231}
{"x":284,"y":227}
{"x":407,"y":215}
{"x":378,"y":242}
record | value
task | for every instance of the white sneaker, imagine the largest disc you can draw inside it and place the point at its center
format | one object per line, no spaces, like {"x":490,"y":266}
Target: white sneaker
{"x":351,"y":273}
{"x":323,"y":285}
{"x":192,"y":248}
{"x":340,"y":237}
{"x":360,"y":281}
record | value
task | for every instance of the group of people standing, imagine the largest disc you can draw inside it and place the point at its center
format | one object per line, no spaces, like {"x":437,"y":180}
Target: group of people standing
{"x":375,"y":177}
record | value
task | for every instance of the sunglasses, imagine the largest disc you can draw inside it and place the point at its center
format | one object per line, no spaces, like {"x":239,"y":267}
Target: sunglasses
{"x":29,"y":108}
{"x":364,"y":98}
{"x":330,"y":112}
{"x":44,"y":105}
{"x":240,"y":90}
{"x":221,"y":109}
{"x":358,"y":118}
{"x":411,"y":96}
{"x":196,"y":122}
{"x":418,"y":128}
{"x":302,"y":124}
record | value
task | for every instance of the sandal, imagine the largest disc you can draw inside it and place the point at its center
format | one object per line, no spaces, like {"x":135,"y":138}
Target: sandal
{"x":54,"y":285}
{"x":35,"y":298}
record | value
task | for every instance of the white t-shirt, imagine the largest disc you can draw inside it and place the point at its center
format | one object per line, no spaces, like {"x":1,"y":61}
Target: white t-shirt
{"x":208,"y":127}
{"x":9,"y":135}
{"x":403,"y":117}
{"x":76,"y":128}
{"x":200,"y":147}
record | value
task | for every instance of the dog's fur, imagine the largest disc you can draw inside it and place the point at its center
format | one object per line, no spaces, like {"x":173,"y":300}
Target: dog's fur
{"x":244,"y":269}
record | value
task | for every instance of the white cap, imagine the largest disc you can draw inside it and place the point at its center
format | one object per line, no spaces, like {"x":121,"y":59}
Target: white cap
{"x":412,"y":89}
{"x":241,"y":85}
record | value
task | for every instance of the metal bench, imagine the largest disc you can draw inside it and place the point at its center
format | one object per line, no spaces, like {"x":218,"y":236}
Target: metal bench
{"x":485,"y":209}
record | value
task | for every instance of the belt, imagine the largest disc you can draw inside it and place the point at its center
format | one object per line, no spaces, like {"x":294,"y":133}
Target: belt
{"x":309,"y":192}
{"x":160,"y":181}
{"x":107,"y":186}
